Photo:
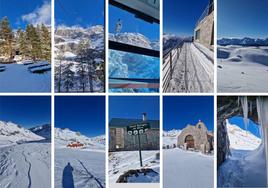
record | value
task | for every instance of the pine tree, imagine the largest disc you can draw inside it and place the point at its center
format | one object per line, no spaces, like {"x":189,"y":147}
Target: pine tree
{"x":86,"y":56}
{"x":58,"y":71}
{"x":82,"y":76}
{"x":33,"y":38}
{"x":68,"y":75}
{"x":22,"y":45}
{"x":7,"y":38}
{"x":45,"y":43}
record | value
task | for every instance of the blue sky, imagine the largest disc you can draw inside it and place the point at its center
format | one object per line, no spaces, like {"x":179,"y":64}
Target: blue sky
{"x":22,"y":12}
{"x":180,"y":16}
{"x":243,"y":18}
{"x":182,"y":110}
{"x":252,"y":127}
{"x":27,"y":111}
{"x":85,"y":114}
{"x":132,"y":24}
{"x":133,"y":106}
{"x":79,"y":12}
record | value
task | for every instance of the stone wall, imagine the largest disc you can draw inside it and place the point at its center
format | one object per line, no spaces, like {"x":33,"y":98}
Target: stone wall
{"x":149,"y":141}
{"x":199,"y":133}
{"x":206,"y":27}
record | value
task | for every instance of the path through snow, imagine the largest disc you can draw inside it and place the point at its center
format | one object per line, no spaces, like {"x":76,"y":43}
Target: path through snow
{"x":25,"y":165}
{"x":193,"y":71}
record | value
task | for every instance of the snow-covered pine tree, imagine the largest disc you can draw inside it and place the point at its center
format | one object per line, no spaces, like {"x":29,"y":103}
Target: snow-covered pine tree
{"x":87,"y":55}
{"x":58,"y":71}
{"x":82,"y":76}
{"x":68,"y":77}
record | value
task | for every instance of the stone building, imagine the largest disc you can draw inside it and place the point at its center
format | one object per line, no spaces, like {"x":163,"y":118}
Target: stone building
{"x":204,"y":30}
{"x":120,"y":140}
{"x":196,"y":137}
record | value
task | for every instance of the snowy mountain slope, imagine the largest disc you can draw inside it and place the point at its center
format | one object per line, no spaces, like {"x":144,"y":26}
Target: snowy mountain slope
{"x":121,"y":162}
{"x":170,"y":137}
{"x":67,"y":38}
{"x":238,"y":67}
{"x":13,"y":133}
{"x":135,"y":39}
{"x":241,"y":139}
{"x":187,"y":169}
{"x":43,"y":130}
{"x":171,"y":41}
{"x":25,"y":165}
{"x":63,"y":137}
{"x":246,"y":41}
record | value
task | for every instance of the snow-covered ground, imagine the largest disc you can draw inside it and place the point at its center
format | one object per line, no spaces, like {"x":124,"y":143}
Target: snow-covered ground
{"x":193,"y":70}
{"x":20,"y":77}
{"x":242,"y":69}
{"x":121,"y":162}
{"x":79,"y":167}
{"x":187,"y":169}
{"x":24,"y":157}
{"x":182,"y":168}
{"x":246,"y":166}
{"x":25,"y":165}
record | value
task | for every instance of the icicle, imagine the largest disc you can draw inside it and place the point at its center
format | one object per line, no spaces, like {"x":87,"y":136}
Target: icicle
{"x":250,"y":107}
{"x":262,"y":109}
{"x":244,"y":103}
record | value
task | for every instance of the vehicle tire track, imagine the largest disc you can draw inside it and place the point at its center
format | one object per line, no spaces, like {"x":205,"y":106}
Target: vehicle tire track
{"x":29,"y":170}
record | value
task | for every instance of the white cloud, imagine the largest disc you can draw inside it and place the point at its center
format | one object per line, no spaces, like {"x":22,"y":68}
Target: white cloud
{"x":39,"y":15}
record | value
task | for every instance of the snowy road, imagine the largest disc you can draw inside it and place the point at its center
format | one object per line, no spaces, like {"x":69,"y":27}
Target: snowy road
{"x":79,"y":168}
{"x":187,"y":169}
{"x":193,"y":71}
{"x":17,"y":78}
{"x":26,"y":165}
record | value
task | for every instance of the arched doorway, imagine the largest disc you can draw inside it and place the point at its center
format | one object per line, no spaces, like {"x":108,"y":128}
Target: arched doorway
{"x":190,"y":141}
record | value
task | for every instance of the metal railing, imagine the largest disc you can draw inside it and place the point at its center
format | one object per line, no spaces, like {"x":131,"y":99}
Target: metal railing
{"x":169,"y":61}
{"x":209,"y":9}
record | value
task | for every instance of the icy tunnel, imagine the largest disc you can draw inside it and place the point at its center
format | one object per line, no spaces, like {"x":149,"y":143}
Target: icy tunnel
{"x":249,"y":170}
